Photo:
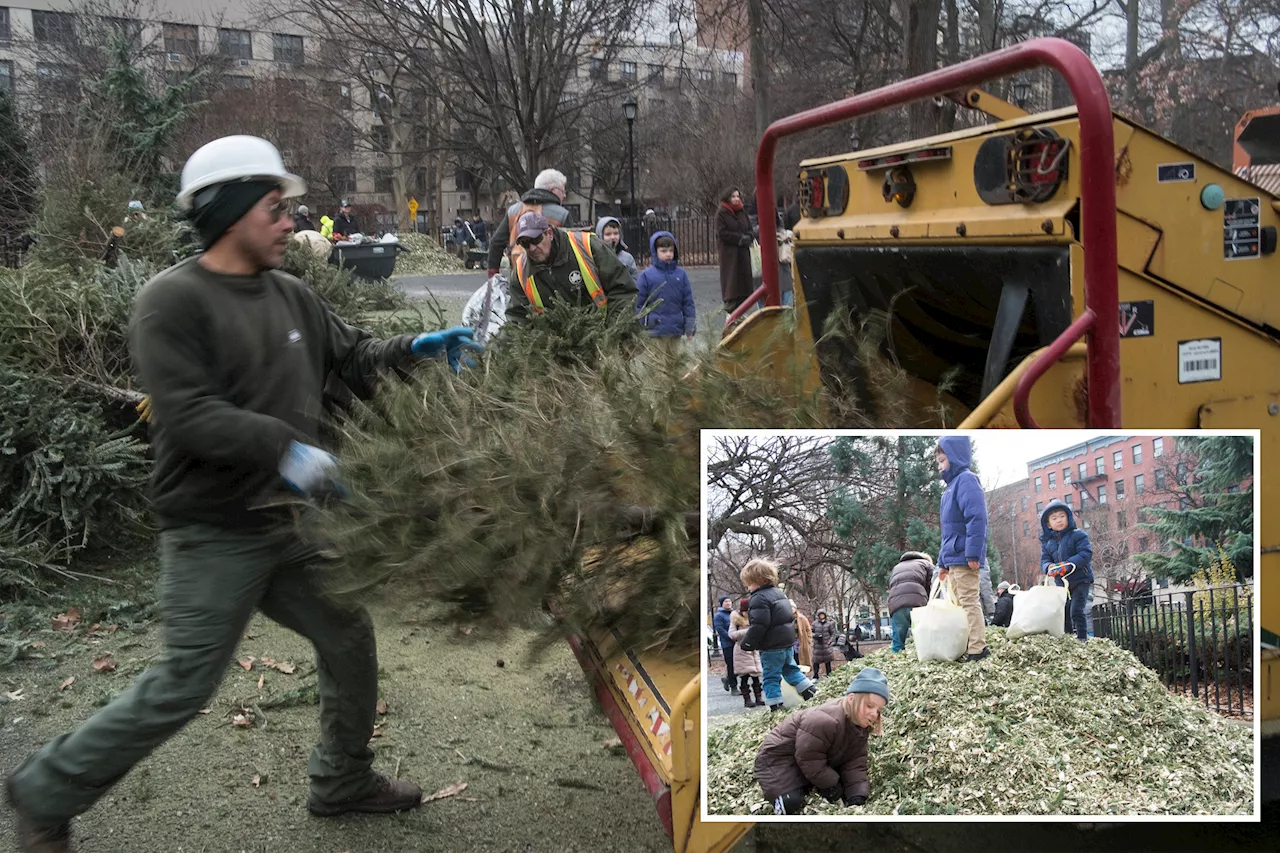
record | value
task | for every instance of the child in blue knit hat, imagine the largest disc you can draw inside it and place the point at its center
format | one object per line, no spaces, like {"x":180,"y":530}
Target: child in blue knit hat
{"x":824,"y":748}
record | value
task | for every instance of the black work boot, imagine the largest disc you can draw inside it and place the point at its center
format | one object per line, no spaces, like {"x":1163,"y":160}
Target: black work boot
{"x":388,"y":795}
{"x":747,"y":701}
{"x":777,"y":707}
{"x":809,"y":692}
{"x":985,"y":653}
{"x":759,"y":691}
{"x":33,"y":838}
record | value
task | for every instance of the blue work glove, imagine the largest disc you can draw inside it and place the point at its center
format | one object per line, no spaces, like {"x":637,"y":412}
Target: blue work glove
{"x":454,"y":343}
{"x":309,"y":470}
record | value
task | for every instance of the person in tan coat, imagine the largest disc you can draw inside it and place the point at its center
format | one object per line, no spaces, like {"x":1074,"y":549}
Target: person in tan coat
{"x":804,"y":633}
{"x":746,"y":664}
{"x":824,"y":748}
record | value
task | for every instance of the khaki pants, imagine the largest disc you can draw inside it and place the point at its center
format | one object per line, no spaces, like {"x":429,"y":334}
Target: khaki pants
{"x":965,"y":580}
{"x":211,"y":582}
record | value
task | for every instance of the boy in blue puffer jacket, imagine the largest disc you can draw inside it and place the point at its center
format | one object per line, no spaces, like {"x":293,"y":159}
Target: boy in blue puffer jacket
{"x":1062,"y":542}
{"x":665,"y":302}
{"x":964,"y":535}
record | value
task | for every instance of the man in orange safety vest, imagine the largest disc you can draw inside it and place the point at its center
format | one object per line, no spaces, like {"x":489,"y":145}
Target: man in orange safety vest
{"x":574,"y":266}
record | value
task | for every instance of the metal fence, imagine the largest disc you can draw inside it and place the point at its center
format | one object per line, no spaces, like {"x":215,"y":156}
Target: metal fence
{"x":696,"y":237}
{"x":1200,"y":642}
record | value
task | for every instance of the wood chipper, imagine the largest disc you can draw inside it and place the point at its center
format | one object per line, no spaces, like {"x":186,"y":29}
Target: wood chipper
{"x":1067,"y":269}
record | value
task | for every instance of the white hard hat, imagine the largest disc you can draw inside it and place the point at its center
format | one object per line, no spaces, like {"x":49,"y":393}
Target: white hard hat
{"x":235,"y":158}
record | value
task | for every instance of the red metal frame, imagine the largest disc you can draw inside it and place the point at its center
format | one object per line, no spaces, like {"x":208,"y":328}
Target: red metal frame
{"x":1097,"y":201}
{"x":658,"y":790}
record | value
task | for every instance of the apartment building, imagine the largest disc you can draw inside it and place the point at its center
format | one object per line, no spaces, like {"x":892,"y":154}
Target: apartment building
{"x":40,"y":41}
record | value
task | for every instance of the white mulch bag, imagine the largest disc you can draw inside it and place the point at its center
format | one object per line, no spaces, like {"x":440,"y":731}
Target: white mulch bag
{"x":941,"y":627}
{"x":1038,"y":611}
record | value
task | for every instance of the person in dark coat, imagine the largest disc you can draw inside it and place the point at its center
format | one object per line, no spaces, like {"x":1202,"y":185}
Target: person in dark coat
{"x":1061,"y":542}
{"x":721,"y":622}
{"x":964,"y":535}
{"x":481,"y":231}
{"x":824,"y":748}
{"x":302,"y":220}
{"x":733,"y":231}
{"x":345,"y":222}
{"x":1004,"y":605}
{"x":772,"y":632}
{"x":824,"y":642}
{"x":908,"y":588}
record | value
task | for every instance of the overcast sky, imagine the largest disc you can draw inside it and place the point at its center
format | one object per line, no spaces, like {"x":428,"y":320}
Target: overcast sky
{"x":1003,"y":454}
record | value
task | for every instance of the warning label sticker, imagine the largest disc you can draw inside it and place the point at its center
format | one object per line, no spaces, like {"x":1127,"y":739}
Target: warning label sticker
{"x":1199,"y":360}
{"x":1137,"y":319}
{"x":1240,"y":223}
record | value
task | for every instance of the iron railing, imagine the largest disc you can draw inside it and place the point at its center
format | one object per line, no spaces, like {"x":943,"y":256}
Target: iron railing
{"x":1199,"y":641}
{"x":696,"y":237}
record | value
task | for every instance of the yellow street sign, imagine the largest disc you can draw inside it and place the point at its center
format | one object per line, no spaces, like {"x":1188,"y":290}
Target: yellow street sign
{"x":413,"y":206}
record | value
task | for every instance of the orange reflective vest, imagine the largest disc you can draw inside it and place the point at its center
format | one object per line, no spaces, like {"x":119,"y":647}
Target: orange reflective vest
{"x":580,"y":242}
{"x":513,"y":248}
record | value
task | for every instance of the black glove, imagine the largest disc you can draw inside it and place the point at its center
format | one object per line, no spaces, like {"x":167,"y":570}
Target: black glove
{"x":746,"y":240}
{"x":831,"y":795}
{"x":854,"y":801}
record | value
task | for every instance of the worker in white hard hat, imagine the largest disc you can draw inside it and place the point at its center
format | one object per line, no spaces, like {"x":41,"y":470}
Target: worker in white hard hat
{"x":236,"y":355}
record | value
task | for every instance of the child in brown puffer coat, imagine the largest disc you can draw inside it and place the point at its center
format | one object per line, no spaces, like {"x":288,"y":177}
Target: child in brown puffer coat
{"x":824,"y":748}
{"x":746,"y":665}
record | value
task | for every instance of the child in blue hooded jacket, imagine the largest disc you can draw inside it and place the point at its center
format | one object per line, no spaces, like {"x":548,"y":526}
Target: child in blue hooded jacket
{"x":964,"y":535}
{"x":665,"y":302}
{"x":1062,"y":542}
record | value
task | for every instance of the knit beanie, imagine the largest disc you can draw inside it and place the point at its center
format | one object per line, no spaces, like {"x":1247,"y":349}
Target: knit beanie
{"x":870,"y":680}
{"x":219,"y":207}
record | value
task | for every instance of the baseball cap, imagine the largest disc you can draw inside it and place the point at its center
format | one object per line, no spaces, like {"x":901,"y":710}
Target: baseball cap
{"x":531,"y":224}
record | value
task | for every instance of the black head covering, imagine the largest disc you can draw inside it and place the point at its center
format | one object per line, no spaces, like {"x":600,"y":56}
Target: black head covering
{"x":221,"y":206}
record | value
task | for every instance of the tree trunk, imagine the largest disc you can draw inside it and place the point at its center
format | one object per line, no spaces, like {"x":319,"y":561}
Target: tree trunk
{"x":988,"y":21}
{"x":920,"y":20}
{"x":759,"y":67}
{"x":1131,"y":53}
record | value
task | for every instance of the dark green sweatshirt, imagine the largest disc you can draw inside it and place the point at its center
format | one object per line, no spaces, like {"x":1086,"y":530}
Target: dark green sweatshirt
{"x":236,"y":367}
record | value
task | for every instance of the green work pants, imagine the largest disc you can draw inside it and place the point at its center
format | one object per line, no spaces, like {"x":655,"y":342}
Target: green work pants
{"x":211,"y":582}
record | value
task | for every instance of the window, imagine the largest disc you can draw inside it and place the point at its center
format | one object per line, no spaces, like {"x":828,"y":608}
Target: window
{"x":236,"y":44}
{"x":1087,"y":525}
{"x":5,"y":32}
{"x":1121,"y":522}
{"x":1117,"y":460}
{"x":53,"y":27}
{"x":1139,"y":484}
{"x":344,"y":97}
{"x":1102,"y":494}
{"x":597,"y":69}
{"x":1026,"y":528}
{"x":730,"y":80}
{"x":1157,"y":447}
{"x":181,"y":39}
{"x":380,"y":138}
{"x":653,"y":74}
{"x":1037,"y":485}
{"x":130,"y":28}
{"x":1066,"y":475}
{"x":238,"y":82}
{"x":674,"y":39}
{"x":342,"y":180}
{"x":1084,"y":471}
{"x":1182,"y":474}
{"x":1053,"y":480}
{"x":1160,"y":478}
{"x":6,"y":76}
{"x":1100,"y":465}
{"x":629,"y":71}
{"x":705,"y":76}
{"x":1039,"y":507}
{"x":287,"y":48}
{"x":1067,"y":499}
{"x":344,"y":137}
{"x":1119,"y":490}
{"x":382,"y":182}
{"x":1137,"y":454}
{"x":1024,"y":503}
{"x":1143,"y":543}
{"x":54,"y":78}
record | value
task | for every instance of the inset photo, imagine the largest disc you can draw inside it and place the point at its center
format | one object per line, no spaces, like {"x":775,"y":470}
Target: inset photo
{"x":1057,"y":624}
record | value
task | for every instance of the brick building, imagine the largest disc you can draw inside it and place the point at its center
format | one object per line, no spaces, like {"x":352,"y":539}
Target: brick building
{"x":1107,"y":481}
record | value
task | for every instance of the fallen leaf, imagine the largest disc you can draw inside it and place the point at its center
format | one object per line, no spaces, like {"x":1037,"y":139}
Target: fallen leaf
{"x":111,"y":629}
{"x":451,"y":790}
{"x":67,"y":621}
{"x":382,"y":707}
{"x":285,"y":667}
{"x":15,"y":695}
{"x":247,"y":664}
{"x":203,"y":711}
{"x":104,"y":663}
{"x":262,"y":679}
{"x":267,"y":661}
{"x":37,"y":645}
{"x":70,"y":681}
{"x":251,"y":636}
{"x":469,"y":630}
{"x":257,"y":780}
{"x":240,"y":721}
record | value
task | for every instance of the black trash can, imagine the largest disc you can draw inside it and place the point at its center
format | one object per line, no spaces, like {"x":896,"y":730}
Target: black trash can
{"x":370,"y":261}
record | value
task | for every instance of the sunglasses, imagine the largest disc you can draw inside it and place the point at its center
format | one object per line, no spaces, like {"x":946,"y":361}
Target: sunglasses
{"x":527,"y":242}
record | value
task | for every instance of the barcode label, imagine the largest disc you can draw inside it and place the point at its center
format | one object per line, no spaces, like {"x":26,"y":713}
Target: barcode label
{"x":1200,"y":360}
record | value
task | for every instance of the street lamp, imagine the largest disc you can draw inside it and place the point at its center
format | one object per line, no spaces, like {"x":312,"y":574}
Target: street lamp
{"x":629,"y":109}
{"x":1021,"y":91}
